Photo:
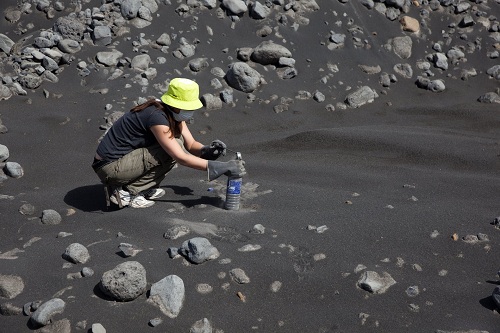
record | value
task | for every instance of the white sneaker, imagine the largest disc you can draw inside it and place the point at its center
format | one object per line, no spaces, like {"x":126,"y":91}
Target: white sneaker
{"x":124,"y":197}
{"x":154,"y":193}
{"x":140,"y":202}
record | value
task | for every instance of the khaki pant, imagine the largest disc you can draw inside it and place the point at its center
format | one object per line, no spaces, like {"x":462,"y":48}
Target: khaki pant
{"x":139,"y":170}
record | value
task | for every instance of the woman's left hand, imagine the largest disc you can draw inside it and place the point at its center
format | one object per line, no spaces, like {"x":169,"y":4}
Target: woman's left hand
{"x":214,"y":150}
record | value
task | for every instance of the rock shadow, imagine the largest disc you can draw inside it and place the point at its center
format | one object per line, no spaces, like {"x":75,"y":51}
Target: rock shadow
{"x":99,"y":293}
{"x":488,"y":303}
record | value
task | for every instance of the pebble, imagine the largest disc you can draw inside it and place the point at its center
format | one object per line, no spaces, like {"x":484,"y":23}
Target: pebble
{"x":51,"y":217}
{"x":239,"y":276}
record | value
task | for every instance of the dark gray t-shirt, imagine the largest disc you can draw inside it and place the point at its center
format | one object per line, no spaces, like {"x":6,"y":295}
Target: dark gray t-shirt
{"x":130,"y":132}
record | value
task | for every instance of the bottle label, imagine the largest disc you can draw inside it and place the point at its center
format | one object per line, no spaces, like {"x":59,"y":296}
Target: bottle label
{"x":234,"y":186}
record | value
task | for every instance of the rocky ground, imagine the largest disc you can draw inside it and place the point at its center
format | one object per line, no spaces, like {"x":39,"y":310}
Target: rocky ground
{"x":370,"y":132}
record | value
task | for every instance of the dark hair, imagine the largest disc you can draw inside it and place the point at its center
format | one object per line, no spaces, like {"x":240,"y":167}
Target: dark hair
{"x":174,"y":126}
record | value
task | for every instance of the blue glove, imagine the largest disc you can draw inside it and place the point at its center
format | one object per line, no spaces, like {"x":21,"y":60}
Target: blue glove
{"x":214,"y":151}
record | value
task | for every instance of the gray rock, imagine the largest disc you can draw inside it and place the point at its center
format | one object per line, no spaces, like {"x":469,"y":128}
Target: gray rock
{"x":258,"y":229}
{"x":129,"y":250}
{"x":125,"y":282}
{"x":10,"y":286}
{"x":145,"y":14}
{"x":226,"y":96}
{"x":210,"y":4}
{"x":164,"y":39}
{"x":87,"y":272}
{"x":168,"y":294}
{"x":30,"y":81}
{"x":6,"y":43}
{"x":318,"y":96}
{"x":434,"y":85}
{"x":288,"y":73}
{"x":243,"y":78}
{"x":176,"y":232}
{"x":467,"y":21}
{"x":51,"y":217}
{"x":494,"y":72}
{"x":76,"y":253}
{"x":455,"y":55}
{"x":198,"y":64}
{"x":47,"y":310}
{"x":201,"y":326}
{"x":211,"y":102}
{"x":370,"y":69}
{"x":198,"y":250}
{"x":49,"y":64}
{"x":42,"y":42}
{"x":496,"y":297}
{"x":267,"y":53}
{"x":173,"y":252}
{"x":374,"y":283}
{"x":101,"y":35}
{"x":361,"y":97}
{"x":404,"y":70}
{"x":401,"y":46}
{"x":130,"y":8}
{"x":4,"y":153}
{"x":13,"y":169}
{"x":152,"y":5}
{"x":9,"y":309}
{"x":489,"y":97}
{"x":440,"y":60}
{"x":244,"y":53}
{"x":98,"y":328}
{"x":27,"y":209}
{"x":337,"y":38}
{"x":395,"y":3}
{"x":59,"y":326}
{"x":236,"y":7}
{"x":5,"y":92}
{"x":155,"y":322}
{"x":109,"y":58}
{"x":284,"y":61}
{"x":69,"y":28}
{"x":239,"y":276}
{"x":258,"y":11}
{"x":140,"y":62}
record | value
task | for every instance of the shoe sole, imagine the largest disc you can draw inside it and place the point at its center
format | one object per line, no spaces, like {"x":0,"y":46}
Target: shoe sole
{"x":143,"y":206}
{"x":159,"y":195}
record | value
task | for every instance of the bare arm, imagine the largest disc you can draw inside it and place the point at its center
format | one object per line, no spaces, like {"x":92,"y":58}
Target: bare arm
{"x":170,"y":145}
{"x":191,"y":145}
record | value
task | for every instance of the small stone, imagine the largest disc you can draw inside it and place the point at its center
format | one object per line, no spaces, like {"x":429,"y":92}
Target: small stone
{"x":258,"y":229}
{"x":239,"y":276}
{"x":51,"y":217}
{"x":129,"y":250}
{"x":249,"y":248}
{"x":98,"y":328}
{"x":204,"y":288}
{"x":76,"y":253}
{"x":374,"y":283}
{"x":27,"y":209}
{"x":13,"y":169}
{"x":276,"y":286}
{"x":155,"y":322}
{"x":412,"y":291}
{"x":176,"y":232}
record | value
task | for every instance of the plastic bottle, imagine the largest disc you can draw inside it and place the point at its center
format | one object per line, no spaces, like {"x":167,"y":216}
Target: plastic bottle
{"x":233,"y":191}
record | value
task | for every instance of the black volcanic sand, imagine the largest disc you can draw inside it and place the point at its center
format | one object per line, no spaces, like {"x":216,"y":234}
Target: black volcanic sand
{"x":382,"y":178}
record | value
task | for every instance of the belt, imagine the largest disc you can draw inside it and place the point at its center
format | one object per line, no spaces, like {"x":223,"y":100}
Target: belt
{"x":98,"y":164}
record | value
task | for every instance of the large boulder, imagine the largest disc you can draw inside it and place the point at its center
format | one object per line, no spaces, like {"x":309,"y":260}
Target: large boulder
{"x":70,"y":28}
{"x":168,"y":294}
{"x":243,"y":78}
{"x":125,"y":282}
{"x":269,"y":53}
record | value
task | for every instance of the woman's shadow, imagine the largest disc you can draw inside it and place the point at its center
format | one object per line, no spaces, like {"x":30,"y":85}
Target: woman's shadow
{"x":91,"y":198}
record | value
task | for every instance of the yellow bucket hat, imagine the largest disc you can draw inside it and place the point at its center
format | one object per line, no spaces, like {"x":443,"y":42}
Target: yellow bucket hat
{"x":182,"y":94}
